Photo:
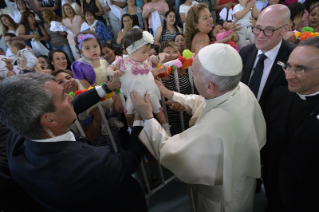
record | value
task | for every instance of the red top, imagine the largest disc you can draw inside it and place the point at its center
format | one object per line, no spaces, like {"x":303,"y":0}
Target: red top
{"x":224,"y":2}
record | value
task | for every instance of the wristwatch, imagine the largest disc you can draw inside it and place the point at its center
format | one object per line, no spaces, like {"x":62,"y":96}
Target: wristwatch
{"x":106,"y":88}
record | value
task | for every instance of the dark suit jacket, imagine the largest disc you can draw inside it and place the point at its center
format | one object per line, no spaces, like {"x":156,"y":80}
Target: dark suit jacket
{"x":12,"y":196}
{"x":291,"y":169}
{"x":276,"y":76}
{"x":74,"y":176}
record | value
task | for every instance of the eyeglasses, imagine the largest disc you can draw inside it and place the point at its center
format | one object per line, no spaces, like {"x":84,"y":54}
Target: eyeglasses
{"x":268,"y":32}
{"x":297,"y":71}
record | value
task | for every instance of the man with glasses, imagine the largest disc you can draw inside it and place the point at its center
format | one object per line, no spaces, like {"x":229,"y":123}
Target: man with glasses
{"x":261,"y":72}
{"x":291,"y":168}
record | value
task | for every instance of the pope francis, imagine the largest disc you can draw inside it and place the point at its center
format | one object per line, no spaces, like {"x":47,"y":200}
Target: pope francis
{"x":219,"y":155}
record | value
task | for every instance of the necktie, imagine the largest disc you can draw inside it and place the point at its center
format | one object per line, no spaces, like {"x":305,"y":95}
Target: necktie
{"x":258,"y":73}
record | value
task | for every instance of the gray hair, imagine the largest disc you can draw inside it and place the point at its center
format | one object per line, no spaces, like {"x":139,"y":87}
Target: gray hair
{"x":223,"y":83}
{"x":23,"y":99}
{"x":310,"y":42}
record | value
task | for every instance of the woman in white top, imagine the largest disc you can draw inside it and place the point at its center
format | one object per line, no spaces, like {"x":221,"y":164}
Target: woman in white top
{"x":76,"y":7}
{"x":73,"y":22}
{"x":22,"y":6}
{"x":183,"y":9}
{"x":8,"y":25}
{"x":114,"y":21}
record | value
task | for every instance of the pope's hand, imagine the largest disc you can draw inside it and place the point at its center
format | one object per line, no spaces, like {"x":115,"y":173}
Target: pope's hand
{"x":114,"y":83}
{"x":176,"y":106}
{"x":164,"y":91}
{"x":142,"y":107}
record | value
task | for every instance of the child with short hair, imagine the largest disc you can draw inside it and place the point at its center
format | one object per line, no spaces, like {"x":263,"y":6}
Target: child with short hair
{"x":135,"y":70}
{"x":220,"y":35}
{"x":243,"y":12}
{"x":27,"y":61}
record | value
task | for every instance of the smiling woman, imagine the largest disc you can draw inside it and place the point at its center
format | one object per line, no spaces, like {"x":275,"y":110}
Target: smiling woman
{"x":58,"y":59}
{"x":199,"y":23}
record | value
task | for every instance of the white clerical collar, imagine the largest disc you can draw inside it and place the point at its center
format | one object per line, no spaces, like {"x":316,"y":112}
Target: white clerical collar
{"x":215,"y":102}
{"x":271,"y":54}
{"x":69,"y":136}
{"x":304,"y":97}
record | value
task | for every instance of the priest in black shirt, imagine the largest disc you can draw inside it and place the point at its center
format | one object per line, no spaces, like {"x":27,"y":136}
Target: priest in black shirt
{"x":291,"y":168}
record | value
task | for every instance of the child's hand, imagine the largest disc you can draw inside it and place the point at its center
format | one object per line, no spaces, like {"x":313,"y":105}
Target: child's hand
{"x":251,"y":4}
{"x":162,"y":70}
{"x":227,"y":38}
{"x":252,"y":21}
{"x":117,"y":73}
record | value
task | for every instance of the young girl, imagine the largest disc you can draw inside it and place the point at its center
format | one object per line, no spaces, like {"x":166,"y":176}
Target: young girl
{"x":90,"y":68}
{"x":220,"y":35}
{"x":135,"y":71}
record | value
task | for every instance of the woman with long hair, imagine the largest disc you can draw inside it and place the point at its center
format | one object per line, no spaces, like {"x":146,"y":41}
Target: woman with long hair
{"x":22,"y":7}
{"x":73,"y":22}
{"x":169,"y":29}
{"x":29,"y":28}
{"x":313,"y":17}
{"x":76,"y":7}
{"x":127,"y":24}
{"x":136,"y":13}
{"x":57,"y":41}
{"x":8,"y":25}
{"x":199,"y":23}
{"x":58,"y":59}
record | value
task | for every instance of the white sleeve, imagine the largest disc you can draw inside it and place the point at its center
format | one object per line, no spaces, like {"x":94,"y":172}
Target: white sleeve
{"x":31,"y":59}
{"x":182,"y":9}
{"x":180,"y":152}
{"x":236,"y":9}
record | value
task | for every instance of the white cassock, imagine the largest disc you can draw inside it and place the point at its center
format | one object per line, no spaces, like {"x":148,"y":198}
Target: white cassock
{"x":219,"y":155}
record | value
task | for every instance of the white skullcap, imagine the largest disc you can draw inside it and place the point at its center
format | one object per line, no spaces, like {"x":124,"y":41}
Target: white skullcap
{"x":220,"y":59}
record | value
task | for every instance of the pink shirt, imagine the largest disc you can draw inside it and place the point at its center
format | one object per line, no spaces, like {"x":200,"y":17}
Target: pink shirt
{"x":74,"y":26}
{"x":158,"y":6}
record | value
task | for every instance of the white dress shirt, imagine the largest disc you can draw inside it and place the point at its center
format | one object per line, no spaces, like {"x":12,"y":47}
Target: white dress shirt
{"x":268,"y":63}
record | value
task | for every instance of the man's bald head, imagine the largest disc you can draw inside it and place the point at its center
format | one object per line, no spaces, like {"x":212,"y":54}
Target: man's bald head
{"x":274,"y":18}
{"x":277,"y":11}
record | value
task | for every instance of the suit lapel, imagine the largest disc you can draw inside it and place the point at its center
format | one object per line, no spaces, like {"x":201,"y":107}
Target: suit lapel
{"x":248,"y":66}
{"x":276,"y":70}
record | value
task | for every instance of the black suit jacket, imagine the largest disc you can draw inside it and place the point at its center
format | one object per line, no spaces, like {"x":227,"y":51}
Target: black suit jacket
{"x":12,"y":196}
{"x":291,"y":168}
{"x":74,"y":176}
{"x":276,"y":76}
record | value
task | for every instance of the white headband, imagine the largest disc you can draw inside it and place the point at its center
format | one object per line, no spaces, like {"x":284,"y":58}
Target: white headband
{"x":147,"y":38}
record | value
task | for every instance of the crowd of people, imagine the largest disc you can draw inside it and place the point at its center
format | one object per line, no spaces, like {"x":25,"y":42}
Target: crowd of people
{"x":243,"y":112}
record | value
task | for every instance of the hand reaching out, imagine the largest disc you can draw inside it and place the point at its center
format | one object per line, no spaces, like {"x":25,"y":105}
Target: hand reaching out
{"x":176,"y":106}
{"x":164,"y":91}
{"x":142,"y":107}
{"x":117,"y":73}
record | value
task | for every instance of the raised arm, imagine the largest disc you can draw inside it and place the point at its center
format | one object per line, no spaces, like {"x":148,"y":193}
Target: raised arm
{"x":99,"y":6}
